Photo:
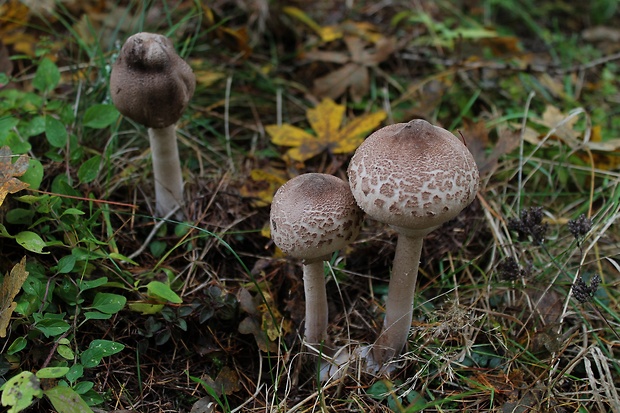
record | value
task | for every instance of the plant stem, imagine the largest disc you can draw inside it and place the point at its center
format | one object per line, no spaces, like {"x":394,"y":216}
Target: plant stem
{"x":399,"y":307}
{"x":167,"y":171}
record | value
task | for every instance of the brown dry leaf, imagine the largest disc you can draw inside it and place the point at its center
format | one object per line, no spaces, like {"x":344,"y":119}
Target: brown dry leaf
{"x":601,"y":34}
{"x":502,"y":45}
{"x":238,"y":39}
{"x":264,"y":321}
{"x":250,"y":325}
{"x":354,"y":75}
{"x":606,"y":39}
{"x":563,"y":124}
{"x":14,"y":18}
{"x":476,"y":136}
{"x":9,"y":184}
{"x":426,"y":94}
{"x":325,"y":120}
{"x":226,"y":382}
{"x":11,"y":285}
{"x":605,"y":154}
{"x":553,"y":84}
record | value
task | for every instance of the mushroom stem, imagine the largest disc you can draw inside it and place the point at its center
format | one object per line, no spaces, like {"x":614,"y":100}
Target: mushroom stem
{"x":316,"y":306}
{"x":167,"y":171}
{"x":399,"y":307}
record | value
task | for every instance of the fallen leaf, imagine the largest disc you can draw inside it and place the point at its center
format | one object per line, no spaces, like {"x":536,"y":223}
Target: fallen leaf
{"x":327,"y":33}
{"x":226,"y":382}
{"x":354,"y":75}
{"x":9,"y":184}
{"x":264,"y":320}
{"x":503,"y":45}
{"x":250,"y":325}
{"x":325,"y":120}
{"x":14,"y":18}
{"x":11,"y":285}
{"x":554,"y":85}
{"x":204,"y":405}
{"x":235,"y":38}
{"x":601,"y":34}
{"x":476,"y":136}
{"x":562,"y":124}
{"x":605,"y":154}
{"x":207,"y":78}
{"x":262,"y":185}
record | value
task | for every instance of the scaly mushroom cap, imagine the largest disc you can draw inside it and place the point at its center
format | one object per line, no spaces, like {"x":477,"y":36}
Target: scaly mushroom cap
{"x":413,"y":175}
{"x":149,"y":82}
{"x":313,"y":215}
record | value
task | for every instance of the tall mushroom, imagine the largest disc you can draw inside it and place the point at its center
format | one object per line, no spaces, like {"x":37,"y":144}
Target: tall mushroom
{"x":313,"y":215}
{"x":152,"y":85}
{"x":413,"y":176}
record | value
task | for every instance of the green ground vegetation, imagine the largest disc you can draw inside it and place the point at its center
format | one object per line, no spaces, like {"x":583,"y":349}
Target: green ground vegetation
{"x":104,"y":307}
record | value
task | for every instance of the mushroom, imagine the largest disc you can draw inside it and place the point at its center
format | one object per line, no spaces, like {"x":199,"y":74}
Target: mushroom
{"x":152,"y":85}
{"x":414,"y":177}
{"x":313,"y":215}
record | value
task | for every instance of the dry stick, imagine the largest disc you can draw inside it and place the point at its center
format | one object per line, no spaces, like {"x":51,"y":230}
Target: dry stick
{"x":258,"y":385}
{"x":53,"y":350}
{"x":499,"y":66}
{"x":153,"y":233}
{"x":227,"y":123}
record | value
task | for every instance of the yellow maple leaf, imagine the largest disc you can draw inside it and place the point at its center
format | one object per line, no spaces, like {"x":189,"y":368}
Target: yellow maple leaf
{"x":326,"y":120}
{"x":9,"y":184}
{"x":11,"y":285}
{"x":262,"y":185}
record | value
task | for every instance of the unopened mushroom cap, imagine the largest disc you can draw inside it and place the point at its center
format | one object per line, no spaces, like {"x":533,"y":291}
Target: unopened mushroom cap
{"x":150,"y":83}
{"x":413,"y":175}
{"x":313,"y":215}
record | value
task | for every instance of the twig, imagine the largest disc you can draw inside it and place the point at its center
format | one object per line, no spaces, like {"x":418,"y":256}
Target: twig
{"x":534,"y":68}
{"x":153,"y":232}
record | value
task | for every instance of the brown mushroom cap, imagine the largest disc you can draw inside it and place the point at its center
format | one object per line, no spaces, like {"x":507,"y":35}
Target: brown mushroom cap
{"x":149,"y":82}
{"x":413,"y":175}
{"x":313,"y":215}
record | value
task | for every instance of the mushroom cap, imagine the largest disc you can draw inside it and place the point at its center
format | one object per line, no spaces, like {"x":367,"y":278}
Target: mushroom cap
{"x":313,"y":215}
{"x":413,"y":176}
{"x":150,"y":83}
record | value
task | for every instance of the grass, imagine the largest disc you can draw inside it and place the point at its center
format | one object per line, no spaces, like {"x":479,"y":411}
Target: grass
{"x":157,"y":316}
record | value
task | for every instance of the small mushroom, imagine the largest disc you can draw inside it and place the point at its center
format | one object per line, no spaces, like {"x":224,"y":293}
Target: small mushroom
{"x":313,"y":215}
{"x":413,"y":176}
{"x":152,"y":85}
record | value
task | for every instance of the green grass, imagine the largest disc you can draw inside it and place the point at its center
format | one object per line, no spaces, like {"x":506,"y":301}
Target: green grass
{"x":132,"y":312}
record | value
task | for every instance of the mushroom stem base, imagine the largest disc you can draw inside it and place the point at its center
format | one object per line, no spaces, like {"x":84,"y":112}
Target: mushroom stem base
{"x":167,"y":171}
{"x":399,"y":306}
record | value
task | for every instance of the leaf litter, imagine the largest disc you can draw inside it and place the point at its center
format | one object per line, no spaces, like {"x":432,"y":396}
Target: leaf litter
{"x":11,"y":285}
{"x":9,"y":171}
{"x":326,"y":120}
